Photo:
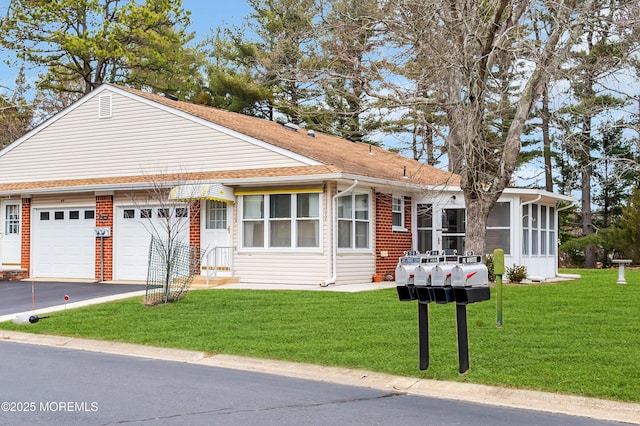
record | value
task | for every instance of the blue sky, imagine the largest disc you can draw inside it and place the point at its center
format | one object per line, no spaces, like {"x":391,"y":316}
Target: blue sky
{"x":206,"y":15}
{"x":209,"y":14}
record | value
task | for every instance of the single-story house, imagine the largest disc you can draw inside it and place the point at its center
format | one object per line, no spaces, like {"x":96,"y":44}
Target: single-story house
{"x":268,"y":203}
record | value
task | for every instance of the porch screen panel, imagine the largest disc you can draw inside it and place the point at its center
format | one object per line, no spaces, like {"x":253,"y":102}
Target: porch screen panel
{"x":453,"y":222}
{"x":498,"y":233}
{"x":525,"y":229}
{"x":552,"y":231}
{"x":535,"y":225}
{"x":543,"y":230}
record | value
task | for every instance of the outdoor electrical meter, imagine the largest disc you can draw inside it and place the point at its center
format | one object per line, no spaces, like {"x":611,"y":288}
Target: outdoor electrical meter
{"x":459,"y":279}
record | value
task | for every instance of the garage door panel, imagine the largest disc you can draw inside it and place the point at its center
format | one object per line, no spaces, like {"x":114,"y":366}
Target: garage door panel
{"x":64,"y":243}
{"x":133,"y":230}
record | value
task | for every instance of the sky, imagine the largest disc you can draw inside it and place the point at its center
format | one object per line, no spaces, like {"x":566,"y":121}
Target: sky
{"x":209,"y":14}
{"x":206,"y":15}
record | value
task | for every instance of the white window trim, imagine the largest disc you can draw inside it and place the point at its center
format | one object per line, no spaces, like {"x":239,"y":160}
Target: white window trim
{"x":353,"y":219}
{"x":396,"y":228}
{"x":266,"y":219}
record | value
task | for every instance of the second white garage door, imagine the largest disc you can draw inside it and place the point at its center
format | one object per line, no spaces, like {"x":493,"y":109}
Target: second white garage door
{"x":133,"y":230}
{"x":63,"y":242}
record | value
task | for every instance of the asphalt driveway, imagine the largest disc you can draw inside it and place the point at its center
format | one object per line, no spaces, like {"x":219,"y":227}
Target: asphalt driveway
{"x":16,"y":296}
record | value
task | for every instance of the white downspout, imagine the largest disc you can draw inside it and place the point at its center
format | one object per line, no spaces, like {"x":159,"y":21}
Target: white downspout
{"x":334,"y":241}
{"x":531,"y":201}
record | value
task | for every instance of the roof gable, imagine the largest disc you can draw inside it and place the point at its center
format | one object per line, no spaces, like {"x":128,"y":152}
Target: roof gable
{"x":136,"y":137}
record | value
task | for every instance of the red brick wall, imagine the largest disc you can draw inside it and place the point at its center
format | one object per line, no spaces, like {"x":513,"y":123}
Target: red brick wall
{"x":395,"y":243}
{"x":194,"y":228}
{"x":25,"y":249}
{"x":104,"y":218}
{"x":194,"y":224}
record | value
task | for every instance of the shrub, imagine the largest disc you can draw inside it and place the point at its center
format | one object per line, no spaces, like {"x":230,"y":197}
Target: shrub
{"x":516,"y":273}
{"x":489,"y":263}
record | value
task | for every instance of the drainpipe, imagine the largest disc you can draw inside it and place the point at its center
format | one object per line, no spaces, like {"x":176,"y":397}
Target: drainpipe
{"x":334,"y":242}
{"x":531,"y":201}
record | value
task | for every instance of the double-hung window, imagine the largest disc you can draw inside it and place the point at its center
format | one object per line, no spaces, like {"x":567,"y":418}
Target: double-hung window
{"x":281,"y":220}
{"x":354,"y":221}
{"x":397,"y":212}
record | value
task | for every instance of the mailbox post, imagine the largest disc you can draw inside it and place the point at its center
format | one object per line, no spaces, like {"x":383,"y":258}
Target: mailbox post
{"x":498,"y":270}
{"x":463,"y":281}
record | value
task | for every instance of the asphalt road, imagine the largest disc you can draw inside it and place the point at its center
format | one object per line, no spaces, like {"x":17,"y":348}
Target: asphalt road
{"x":16,"y":296}
{"x":41,"y":385}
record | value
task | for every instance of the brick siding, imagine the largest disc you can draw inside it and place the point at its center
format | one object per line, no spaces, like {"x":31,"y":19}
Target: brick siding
{"x":395,"y":243}
{"x":25,"y":244}
{"x":104,"y":218}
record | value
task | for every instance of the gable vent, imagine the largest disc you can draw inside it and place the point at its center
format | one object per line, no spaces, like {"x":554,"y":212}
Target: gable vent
{"x":104,"y":106}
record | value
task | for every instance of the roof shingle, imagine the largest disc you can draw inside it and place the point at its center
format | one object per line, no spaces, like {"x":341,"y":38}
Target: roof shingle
{"x":348,"y":157}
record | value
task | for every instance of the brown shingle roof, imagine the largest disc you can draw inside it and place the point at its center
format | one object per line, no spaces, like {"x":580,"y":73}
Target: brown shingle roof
{"x":342,"y":155}
{"x":337,"y":155}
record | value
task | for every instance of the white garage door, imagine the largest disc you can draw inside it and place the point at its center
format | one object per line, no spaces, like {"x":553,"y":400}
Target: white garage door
{"x":63,"y":242}
{"x":133,"y":230}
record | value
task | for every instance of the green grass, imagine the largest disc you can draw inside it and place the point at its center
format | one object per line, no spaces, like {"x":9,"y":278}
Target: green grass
{"x":577,"y":337}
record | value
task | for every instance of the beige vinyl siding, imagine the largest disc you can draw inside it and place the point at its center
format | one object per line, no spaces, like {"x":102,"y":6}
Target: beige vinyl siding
{"x":281,"y":268}
{"x":64,"y":200}
{"x":355,"y":268}
{"x":137,"y":139}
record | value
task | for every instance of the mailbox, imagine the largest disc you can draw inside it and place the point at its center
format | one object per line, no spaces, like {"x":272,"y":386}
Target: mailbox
{"x":406,"y":267}
{"x":459,"y":279}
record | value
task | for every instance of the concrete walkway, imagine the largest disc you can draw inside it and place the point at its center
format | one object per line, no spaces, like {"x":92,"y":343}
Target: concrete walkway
{"x":523,"y":399}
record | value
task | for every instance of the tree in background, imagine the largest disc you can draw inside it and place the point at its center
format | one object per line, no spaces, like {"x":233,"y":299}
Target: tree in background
{"x":232,"y":78}
{"x":138,"y":44}
{"x":16,"y":113}
{"x":349,"y":34}
{"x":282,"y":53}
{"x":626,"y":235}
{"x":466,"y":43}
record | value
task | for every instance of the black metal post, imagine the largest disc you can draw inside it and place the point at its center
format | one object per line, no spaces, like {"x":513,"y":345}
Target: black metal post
{"x":423,"y":334}
{"x":463,"y":338}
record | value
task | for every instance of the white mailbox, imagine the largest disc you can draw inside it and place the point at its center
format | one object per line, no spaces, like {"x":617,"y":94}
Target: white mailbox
{"x":102,"y":232}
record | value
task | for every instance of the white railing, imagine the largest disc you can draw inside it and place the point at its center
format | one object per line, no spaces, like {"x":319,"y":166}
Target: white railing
{"x":218,"y":259}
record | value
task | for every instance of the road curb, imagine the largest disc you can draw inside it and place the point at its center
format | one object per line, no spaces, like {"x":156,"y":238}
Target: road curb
{"x":467,"y":392}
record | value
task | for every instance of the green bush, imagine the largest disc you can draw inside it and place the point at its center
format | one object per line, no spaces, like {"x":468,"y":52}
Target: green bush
{"x":516,"y":273}
{"x":489,"y":263}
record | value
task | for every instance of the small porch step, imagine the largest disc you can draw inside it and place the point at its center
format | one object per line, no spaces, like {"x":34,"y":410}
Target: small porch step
{"x":200,"y":281}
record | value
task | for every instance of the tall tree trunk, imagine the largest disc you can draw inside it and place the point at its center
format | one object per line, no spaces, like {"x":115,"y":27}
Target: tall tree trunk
{"x":587,"y":216}
{"x":546,"y":140}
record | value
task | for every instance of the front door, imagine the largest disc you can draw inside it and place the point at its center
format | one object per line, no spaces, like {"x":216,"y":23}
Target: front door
{"x":216,"y":235}
{"x":10,"y":233}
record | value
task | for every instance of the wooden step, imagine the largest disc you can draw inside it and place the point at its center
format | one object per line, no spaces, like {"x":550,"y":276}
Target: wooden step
{"x":200,"y":282}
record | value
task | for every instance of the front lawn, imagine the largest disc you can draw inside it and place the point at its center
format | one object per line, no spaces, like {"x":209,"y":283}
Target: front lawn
{"x":578,"y":337}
